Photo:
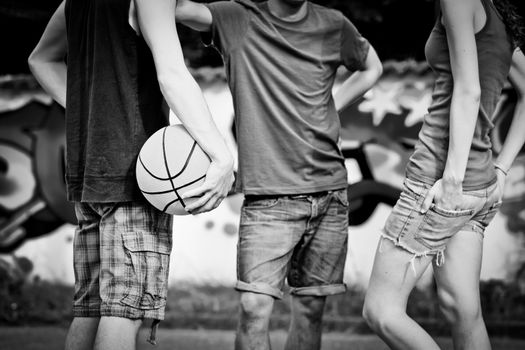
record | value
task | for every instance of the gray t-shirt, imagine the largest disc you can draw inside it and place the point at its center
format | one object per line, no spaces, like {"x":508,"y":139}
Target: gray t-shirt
{"x":281,"y":75}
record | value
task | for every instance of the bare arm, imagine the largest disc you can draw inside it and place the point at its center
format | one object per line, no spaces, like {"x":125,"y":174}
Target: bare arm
{"x":194,"y":15}
{"x":47,"y":59}
{"x":183,"y":95}
{"x":459,"y":21}
{"x":516,"y":135}
{"x":464,"y":108}
{"x":359,"y":82}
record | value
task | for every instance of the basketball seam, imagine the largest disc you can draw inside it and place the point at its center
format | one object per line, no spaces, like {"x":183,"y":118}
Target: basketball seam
{"x":168,"y":170}
{"x":178,"y":188}
{"x":169,"y":176}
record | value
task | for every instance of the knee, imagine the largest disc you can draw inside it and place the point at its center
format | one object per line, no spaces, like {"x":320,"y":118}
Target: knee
{"x":379,"y":318}
{"x":459,"y":309}
{"x":256,"y":306}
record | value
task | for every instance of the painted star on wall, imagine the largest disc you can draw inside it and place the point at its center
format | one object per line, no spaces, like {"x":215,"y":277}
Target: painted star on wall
{"x":382,"y":100}
{"x":417,"y":106}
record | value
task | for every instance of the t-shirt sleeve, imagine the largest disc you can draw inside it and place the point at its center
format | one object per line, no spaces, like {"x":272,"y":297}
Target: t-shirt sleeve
{"x":354,"y":48}
{"x":229,"y":24}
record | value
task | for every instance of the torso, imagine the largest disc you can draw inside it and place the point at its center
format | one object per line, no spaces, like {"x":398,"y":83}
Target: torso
{"x":113,"y":101}
{"x":494,"y":58}
{"x":287,"y":126}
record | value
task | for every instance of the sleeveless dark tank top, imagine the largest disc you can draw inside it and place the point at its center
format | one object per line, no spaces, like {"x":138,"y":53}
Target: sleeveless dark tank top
{"x":113,"y":101}
{"x":494,"y":50}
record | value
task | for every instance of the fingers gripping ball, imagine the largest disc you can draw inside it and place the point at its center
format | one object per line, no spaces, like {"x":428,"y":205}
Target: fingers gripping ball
{"x":169,"y":164}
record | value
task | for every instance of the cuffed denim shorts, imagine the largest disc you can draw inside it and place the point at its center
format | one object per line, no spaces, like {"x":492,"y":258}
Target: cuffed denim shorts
{"x":121,"y":257}
{"x":428,"y":233}
{"x":301,"y":238}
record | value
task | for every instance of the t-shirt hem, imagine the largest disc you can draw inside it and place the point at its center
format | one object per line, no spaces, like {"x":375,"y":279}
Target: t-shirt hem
{"x":292,"y":189}
{"x":103,"y":190}
{"x":410,"y":174}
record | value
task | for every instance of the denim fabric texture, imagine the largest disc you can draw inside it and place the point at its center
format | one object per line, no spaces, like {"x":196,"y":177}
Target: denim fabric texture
{"x":428,"y":233}
{"x":301,"y":238}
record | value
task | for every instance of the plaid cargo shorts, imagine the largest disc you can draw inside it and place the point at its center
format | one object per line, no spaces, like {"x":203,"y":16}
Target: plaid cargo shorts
{"x":121,"y":260}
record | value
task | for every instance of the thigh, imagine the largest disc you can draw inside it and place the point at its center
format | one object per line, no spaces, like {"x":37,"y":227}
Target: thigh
{"x":458,"y":277}
{"x":136,"y":244}
{"x":86,"y":262}
{"x":320,"y":258}
{"x":394,"y":275}
{"x":270,"y":228}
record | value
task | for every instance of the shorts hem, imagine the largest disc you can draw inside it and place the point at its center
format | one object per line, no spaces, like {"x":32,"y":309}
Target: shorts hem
{"x":399,"y":243}
{"x":438,"y":253}
{"x":321,"y":291}
{"x":132,"y":313}
{"x":80,"y":312}
{"x":259,"y":288}
{"x":474,"y":228}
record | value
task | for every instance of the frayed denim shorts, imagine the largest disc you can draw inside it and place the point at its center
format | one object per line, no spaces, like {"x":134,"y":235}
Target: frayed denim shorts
{"x":427,"y":233}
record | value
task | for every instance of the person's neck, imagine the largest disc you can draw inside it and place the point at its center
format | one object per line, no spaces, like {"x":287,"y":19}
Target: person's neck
{"x":286,"y":11}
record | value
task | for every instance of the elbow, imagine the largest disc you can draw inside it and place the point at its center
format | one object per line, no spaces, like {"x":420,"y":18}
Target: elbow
{"x":32,"y":61}
{"x":374,"y":69}
{"x":174,"y":80}
{"x":374,"y":73}
{"x":378,"y":71}
{"x":468,"y":93}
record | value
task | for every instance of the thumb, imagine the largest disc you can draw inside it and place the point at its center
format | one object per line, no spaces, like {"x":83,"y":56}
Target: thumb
{"x":428,"y":200}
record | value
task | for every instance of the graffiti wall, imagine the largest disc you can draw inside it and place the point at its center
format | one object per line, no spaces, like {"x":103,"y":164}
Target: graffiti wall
{"x":378,"y":134}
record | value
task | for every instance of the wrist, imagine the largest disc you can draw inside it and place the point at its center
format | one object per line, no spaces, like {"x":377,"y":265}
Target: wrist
{"x":452,"y":180}
{"x":223,"y":159}
{"x":501,"y":168}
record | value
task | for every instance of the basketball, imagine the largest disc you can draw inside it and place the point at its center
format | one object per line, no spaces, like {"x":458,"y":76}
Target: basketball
{"x":169,"y":164}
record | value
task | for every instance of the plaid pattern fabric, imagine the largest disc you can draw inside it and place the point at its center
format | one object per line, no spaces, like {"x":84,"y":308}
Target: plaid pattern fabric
{"x":121,"y":260}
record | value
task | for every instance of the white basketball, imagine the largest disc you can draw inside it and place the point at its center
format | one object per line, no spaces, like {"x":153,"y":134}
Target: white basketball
{"x":169,"y":164}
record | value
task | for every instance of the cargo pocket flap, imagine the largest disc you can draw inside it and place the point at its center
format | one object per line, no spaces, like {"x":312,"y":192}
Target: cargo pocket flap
{"x":140,"y":241}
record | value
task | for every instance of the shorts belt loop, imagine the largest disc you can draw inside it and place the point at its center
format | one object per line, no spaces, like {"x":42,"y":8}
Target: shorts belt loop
{"x":153,"y":333}
{"x":440,"y":258}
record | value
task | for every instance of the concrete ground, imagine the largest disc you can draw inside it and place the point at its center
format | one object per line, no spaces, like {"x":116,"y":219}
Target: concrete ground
{"x":51,"y":338}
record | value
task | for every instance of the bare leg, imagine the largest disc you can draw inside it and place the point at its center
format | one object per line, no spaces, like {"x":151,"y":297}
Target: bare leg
{"x":252,"y":332}
{"x":386,"y":299}
{"x":458,"y":291}
{"x":306,"y":324}
{"x":81,"y":334}
{"x":117,"y":333}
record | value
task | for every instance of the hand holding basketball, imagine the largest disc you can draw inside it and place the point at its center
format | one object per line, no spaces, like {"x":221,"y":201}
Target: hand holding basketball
{"x":173,"y":171}
{"x":219,"y":180}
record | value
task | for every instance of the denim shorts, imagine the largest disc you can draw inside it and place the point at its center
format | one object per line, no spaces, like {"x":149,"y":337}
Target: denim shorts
{"x":121,"y":257}
{"x":428,"y":233}
{"x":301,"y":238}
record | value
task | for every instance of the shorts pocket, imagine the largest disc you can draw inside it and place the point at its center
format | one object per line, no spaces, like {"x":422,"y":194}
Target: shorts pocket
{"x":414,"y":189}
{"x":439,"y":225}
{"x":147,"y":266}
{"x":487,"y":216}
{"x":342,"y":197}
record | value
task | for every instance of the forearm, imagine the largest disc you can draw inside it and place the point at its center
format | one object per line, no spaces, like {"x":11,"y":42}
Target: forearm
{"x":185,"y":99}
{"x":52,"y":77}
{"x":354,"y":87}
{"x":515,"y":137}
{"x":181,"y":92}
{"x":463,"y":116}
{"x":360,"y":81}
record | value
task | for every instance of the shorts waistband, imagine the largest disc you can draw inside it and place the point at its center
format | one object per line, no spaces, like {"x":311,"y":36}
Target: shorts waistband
{"x":292,"y":196}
